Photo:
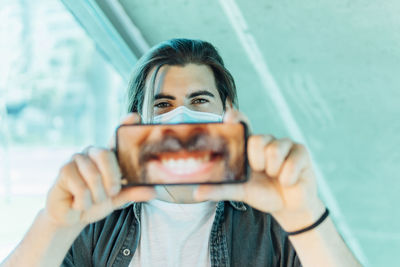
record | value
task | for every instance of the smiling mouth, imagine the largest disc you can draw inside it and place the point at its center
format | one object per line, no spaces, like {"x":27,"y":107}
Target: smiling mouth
{"x":184,"y":167}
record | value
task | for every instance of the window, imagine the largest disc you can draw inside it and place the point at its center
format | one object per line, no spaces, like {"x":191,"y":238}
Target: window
{"x":57,"y":95}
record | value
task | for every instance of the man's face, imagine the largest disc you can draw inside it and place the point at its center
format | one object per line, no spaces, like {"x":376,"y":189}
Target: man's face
{"x":192,"y":86}
{"x":183,"y":153}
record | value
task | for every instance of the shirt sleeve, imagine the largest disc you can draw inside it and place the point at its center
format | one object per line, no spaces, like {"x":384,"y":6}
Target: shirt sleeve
{"x":100,"y":243}
{"x":80,"y":253}
{"x":284,"y":248}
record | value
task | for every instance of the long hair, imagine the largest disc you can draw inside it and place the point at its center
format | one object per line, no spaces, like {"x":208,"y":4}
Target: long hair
{"x":177,"y":52}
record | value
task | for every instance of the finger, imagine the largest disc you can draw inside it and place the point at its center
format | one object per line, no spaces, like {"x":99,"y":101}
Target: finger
{"x":234,"y":116}
{"x":255,"y":150}
{"x":106,"y":162}
{"x":296,"y":162}
{"x":136,"y":193}
{"x":76,"y":186}
{"x":275,"y":154}
{"x":86,"y":150}
{"x":92,"y":177}
{"x":219,"y":192}
{"x":130,"y":118}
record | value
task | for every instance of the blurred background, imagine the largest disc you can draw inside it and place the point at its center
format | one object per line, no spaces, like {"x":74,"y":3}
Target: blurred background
{"x":325,"y":73}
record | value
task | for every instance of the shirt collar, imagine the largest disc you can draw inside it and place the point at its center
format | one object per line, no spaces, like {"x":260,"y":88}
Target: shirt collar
{"x":238,"y":205}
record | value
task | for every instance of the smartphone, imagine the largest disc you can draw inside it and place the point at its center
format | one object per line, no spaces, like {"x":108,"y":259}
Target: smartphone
{"x":182,"y":154}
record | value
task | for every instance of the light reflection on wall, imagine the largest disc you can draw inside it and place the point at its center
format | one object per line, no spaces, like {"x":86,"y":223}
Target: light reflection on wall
{"x":57,"y":95}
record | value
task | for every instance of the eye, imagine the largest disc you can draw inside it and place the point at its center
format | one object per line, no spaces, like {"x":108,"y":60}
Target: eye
{"x":162,"y":105}
{"x":199,"y":101}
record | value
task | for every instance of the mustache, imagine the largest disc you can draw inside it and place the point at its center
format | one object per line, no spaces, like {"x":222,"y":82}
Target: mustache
{"x":195,"y":143}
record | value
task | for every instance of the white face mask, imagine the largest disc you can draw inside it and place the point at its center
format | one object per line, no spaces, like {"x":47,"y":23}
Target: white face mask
{"x":184,"y":115}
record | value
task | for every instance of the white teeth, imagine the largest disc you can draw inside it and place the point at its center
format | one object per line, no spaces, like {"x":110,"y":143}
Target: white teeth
{"x":184,"y":166}
{"x":191,"y":163}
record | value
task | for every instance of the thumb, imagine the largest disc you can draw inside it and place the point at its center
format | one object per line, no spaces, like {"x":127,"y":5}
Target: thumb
{"x":130,"y":118}
{"x":219,"y":192}
{"x":135,"y":193}
{"x":235,"y":116}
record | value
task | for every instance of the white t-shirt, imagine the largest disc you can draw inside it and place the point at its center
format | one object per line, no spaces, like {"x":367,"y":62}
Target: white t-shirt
{"x":175,"y":234}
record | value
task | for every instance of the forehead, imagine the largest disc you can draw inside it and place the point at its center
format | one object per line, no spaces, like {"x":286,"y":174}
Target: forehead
{"x":181,"y":80}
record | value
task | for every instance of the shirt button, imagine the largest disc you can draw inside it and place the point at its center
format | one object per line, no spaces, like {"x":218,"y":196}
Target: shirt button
{"x":126,"y":252}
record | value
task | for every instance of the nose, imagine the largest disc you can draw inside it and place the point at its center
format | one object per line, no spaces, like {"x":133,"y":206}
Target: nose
{"x":184,"y":131}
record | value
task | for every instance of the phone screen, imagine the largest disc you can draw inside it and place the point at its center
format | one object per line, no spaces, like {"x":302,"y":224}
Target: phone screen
{"x":199,"y":153}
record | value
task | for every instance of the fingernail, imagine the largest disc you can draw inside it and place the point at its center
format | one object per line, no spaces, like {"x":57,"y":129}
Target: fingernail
{"x":87,"y":200}
{"x":197,"y":196}
{"x":115,"y":190}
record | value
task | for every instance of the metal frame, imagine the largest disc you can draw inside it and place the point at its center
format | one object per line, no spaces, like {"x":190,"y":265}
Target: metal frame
{"x":114,"y":33}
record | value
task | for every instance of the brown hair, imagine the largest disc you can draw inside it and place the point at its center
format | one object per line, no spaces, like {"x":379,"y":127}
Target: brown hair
{"x":179,"y":52}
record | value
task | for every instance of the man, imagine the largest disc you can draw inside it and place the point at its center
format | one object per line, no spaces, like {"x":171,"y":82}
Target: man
{"x":275,"y":219}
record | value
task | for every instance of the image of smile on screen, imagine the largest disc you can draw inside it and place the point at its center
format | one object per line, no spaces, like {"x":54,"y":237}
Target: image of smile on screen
{"x":182,"y":153}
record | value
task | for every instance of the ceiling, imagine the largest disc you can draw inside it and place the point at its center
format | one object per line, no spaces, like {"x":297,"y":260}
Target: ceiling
{"x":325,"y":73}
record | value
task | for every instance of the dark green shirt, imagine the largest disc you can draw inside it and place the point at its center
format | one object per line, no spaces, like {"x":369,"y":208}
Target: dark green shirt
{"x":240,"y":236}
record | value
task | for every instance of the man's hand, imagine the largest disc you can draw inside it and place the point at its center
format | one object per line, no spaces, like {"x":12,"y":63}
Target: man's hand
{"x":88,"y":188}
{"x":282,"y":181}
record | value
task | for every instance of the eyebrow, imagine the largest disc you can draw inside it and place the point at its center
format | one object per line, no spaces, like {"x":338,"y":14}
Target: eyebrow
{"x":161,"y":95}
{"x":194,"y":94}
{"x":201,"y":92}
